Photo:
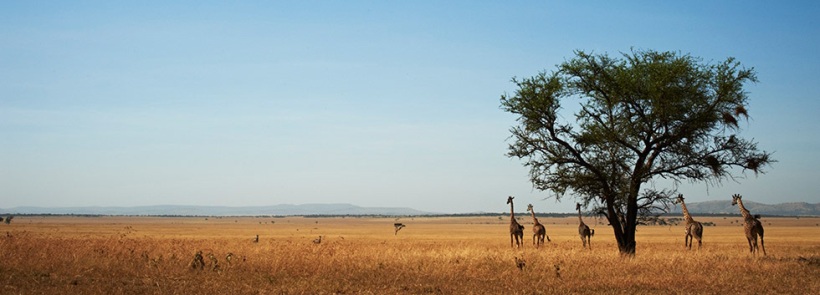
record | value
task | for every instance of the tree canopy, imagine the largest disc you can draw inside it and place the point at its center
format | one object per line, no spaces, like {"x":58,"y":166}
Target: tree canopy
{"x":642,"y":116}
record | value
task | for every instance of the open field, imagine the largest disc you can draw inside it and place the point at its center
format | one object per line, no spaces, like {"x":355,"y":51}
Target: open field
{"x":466,"y":255}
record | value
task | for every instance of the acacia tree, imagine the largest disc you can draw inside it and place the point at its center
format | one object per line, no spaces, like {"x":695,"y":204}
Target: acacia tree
{"x":643,"y":116}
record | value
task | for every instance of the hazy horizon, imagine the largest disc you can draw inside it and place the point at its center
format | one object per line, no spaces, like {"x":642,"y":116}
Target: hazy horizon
{"x":317,"y":208}
{"x":379,"y":104}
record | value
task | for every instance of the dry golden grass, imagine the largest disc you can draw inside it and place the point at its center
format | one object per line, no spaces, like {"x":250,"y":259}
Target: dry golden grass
{"x":118,"y":255}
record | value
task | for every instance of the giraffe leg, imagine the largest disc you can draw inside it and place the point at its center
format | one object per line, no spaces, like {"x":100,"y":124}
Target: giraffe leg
{"x":751,"y":246}
{"x":761,"y":245}
{"x":757,"y":249}
{"x":699,"y":235}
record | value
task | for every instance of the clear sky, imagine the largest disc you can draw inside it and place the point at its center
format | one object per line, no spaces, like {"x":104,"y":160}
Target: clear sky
{"x":374,"y":103}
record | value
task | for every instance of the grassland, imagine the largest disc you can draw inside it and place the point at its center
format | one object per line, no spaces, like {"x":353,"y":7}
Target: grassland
{"x":151,"y":255}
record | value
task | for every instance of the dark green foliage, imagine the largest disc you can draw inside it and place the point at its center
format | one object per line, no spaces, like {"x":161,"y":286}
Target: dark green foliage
{"x":642,"y":116}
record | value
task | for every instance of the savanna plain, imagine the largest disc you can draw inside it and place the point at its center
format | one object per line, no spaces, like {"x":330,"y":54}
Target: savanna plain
{"x":358,"y":255}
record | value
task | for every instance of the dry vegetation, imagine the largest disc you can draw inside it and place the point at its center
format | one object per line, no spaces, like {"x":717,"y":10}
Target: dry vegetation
{"x":117,"y":255}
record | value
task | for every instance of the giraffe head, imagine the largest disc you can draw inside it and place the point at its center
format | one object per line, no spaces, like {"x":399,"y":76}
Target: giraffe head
{"x":529,"y":208}
{"x":736,"y":198}
{"x":509,"y":199}
{"x":577,"y":206}
{"x":679,"y":199}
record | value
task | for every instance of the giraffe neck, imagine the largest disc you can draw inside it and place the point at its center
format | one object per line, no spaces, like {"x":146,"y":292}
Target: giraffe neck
{"x":512,"y":212}
{"x":579,"y":216}
{"x":743,"y":210}
{"x":686,"y":213}
{"x":534,"y":220}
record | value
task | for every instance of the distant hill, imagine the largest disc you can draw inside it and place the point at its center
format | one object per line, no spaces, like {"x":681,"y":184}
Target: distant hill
{"x":177,"y":210}
{"x":725,"y":207}
{"x":708,"y":207}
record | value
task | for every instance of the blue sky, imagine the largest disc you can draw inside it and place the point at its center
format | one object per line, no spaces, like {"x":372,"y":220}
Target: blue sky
{"x":375,"y":103}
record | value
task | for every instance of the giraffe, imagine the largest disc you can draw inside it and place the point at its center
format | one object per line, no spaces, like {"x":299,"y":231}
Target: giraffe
{"x":516,"y":230}
{"x":583,"y":230}
{"x":752,"y":226}
{"x":397,"y":226}
{"x":538,"y":229}
{"x":693,"y":229}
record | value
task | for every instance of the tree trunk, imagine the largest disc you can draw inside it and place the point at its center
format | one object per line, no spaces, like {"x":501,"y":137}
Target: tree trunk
{"x":624,"y":236}
{"x":628,"y":247}
{"x":624,"y":233}
{"x":627,"y":244}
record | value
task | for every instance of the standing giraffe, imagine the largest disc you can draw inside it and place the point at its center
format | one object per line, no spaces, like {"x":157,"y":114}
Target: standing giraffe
{"x":752,"y":226}
{"x":538,"y":229}
{"x":516,"y":230}
{"x":583,"y":230}
{"x":694,"y":229}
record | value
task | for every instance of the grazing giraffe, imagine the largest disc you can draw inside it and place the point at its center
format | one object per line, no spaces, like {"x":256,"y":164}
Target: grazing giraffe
{"x":694,"y":229}
{"x":516,"y":230}
{"x":538,"y":229}
{"x":752,"y":226}
{"x":397,"y":226}
{"x":583,"y":229}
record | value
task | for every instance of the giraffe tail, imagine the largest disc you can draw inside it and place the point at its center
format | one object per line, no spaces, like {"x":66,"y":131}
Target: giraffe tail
{"x":591,"y":232}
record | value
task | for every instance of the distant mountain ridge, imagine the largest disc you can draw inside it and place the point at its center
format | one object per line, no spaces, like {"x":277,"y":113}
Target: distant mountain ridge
{"x":184,"y":210}
{"x":725,"y":207}
{"x":707,"y":207}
